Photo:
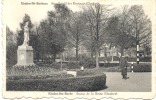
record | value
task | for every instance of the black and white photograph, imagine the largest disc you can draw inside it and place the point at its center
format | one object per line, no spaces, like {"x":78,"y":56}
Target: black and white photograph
{"x":86,"y":48}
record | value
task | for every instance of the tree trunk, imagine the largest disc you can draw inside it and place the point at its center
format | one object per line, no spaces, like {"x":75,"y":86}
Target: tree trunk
{"x":97,"y":59}
{"x":92,"y":55}
{"x":77,"y":45}
{"x":54,"y":57}
{"x":122,"y":52}
{"x":105,"y":55}
{"x":77,"y":55}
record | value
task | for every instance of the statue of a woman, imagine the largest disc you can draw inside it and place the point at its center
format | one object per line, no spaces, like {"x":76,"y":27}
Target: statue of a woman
{"x":26,"y":34}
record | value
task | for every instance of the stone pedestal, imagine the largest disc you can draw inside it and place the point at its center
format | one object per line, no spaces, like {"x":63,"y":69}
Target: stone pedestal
{"x":25,"y":56}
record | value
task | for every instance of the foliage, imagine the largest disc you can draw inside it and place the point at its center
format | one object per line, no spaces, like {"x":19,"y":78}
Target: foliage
{"x":58,"y":65}
{"x":119,"y":32}
{"x":86,"y":73}
{"x":141,"y":27}
{"x":72,"y":65}
{"x":108,"y":59}
{"x":132,"y":25}
{"x":87,"y":62}
{"x":75,"y":32}
{"x":96,"y":17}
{"x":106,"y":65}
{"x":142,"y":67}
{"x":35,"y":43}
{"x":52,"y":34}
{"x":11,"y":47}
{"x":87,"y":83}
{"x":142,"y":59}
{"x":91,"y":28}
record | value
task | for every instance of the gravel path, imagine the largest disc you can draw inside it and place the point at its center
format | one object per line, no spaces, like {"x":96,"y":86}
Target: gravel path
{"x":137,"y":82}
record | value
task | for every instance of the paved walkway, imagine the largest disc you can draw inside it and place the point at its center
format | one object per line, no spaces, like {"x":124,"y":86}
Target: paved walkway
{"x":138,"y":82}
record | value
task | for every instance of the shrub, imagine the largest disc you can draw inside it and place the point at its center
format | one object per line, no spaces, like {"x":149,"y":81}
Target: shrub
{"x":108,"y":64}
{"x":115,"y":58}
{"x":87,"y":83}
{"x":85,"y":73}
{"x":132,"y":59}
{"x":87,"y":62}
{"x":56,"y":65}
{"x":144,"y":59}
{"x":142,"y":67}
{"x":39,"y":63}
{"x":11,"y":54}
{"x":72,"y":65}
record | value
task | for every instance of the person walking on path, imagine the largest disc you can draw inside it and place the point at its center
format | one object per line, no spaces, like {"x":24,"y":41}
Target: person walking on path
{"x":123,"y":65}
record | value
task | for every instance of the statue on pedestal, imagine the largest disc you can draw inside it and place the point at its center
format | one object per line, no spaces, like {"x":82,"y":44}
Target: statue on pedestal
{"x":26,"y":35}
{"x":25,"y":52}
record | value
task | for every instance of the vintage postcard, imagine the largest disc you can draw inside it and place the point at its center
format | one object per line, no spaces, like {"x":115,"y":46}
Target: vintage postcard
{"x":79,"y":49}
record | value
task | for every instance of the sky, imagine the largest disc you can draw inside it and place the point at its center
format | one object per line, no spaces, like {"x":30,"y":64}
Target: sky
{"x":14,"y":11}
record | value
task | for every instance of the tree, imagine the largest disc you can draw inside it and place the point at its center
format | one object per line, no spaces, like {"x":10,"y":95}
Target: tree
{"x":42,"y":37}
{"x":76,"y":32}
{"x":11,"y":47}
{"x":50,"y":40}
{"x":140,"y":26}
{"x":119,"y":31}
{"x":34,"y":41}
{"x":53,"y":31}
{"x":96,"y":17}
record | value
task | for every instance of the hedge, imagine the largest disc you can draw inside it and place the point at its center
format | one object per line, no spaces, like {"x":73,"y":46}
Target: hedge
{"x":142,"y":67}
{"x":108,"y":64}
{"x":141,"y":59}
{"x":86,"y":72}
{"x":115,"y":58}
{"x":85,"y":83}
